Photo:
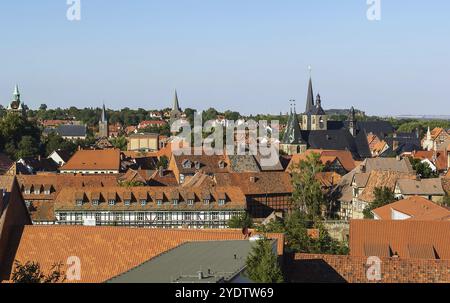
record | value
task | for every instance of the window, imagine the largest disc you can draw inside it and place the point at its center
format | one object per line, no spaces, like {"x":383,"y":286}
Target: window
{"x":159,"y":216}
{"x":47,"y":192}
{"x":175,"y":202}
{"x":37,"y":191}
{"x":127,"y":202}
{"x":79,"y":202}
{"x":111,"y":202}
{"x":190,"y":202}
{"x":159,"y":202}
{"x":143,"y":202}
{"x":221,"y":202}
{"x":98,"y":218}
{"x":95,"y":202}
{"x":141,"y":216}
{"x":78,"y":217}
{"x":28,"y":203}
{"x":206,"y":201}
{"x":62,"y":216}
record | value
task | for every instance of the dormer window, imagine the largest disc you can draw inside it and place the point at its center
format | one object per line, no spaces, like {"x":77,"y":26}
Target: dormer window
{"x":37,"y":190}
{"x":187,"y":164}
{"x":127,"y":202}
{"x":28,"y":203}
{"x":206,"y":201}
{"x":27,"y":191}
{"x":95,"y":202}
{"x":111,"y":202}
{"x":175,"y":202}
{"x":197,"y":165}
{"x":143,"y":202}
{"x":159,"y":202}
{"x":221,"y":164}
{"x":221,"y":202}
{"x":79,"y":202}
{"x":190,"y":202}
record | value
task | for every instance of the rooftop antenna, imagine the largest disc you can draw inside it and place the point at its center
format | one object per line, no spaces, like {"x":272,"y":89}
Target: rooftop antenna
{"x":310,"y":70}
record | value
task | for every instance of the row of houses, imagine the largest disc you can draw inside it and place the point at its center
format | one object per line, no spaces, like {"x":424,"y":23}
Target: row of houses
{"x":412,"y":249}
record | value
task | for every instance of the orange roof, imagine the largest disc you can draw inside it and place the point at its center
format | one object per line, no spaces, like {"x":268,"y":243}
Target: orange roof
{"x":436,"y":132}
{"x":416,"y":207}
{"x":106,"y":252}
{"x":379,"y":178}
{"x":326,"y":156}
{"x":441,"y":158}
{"x":408,"y":239}
{"x":107,"y":159}
{"x":328,"y":179}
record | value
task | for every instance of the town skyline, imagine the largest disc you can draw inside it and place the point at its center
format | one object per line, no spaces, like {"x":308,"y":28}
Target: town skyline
{"x":258,"y":56}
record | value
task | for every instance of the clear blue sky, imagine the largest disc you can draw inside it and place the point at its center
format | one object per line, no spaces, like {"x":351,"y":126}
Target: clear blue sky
{"x":244,"y":55}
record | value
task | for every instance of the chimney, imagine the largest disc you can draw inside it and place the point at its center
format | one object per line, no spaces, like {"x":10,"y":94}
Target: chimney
{"x":200,"y":275}
{"x":395,"y":144}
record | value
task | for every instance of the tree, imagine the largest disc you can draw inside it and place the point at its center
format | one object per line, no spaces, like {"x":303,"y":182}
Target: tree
{"x":163,"y":162}
{"x":423,"y":169}
{"x":31,"y":272}
{"x":446,"y":201}
{"x":241,"y":221}
{"x":120,"y":143}
{"x":308,"y":195}
{"x":295,"y":227}
{"x":54,"y":142}
{"x":262,"y":263}
{"x":383,"y":196}
{"x":43,"y":107}
{"x":27,"y":147}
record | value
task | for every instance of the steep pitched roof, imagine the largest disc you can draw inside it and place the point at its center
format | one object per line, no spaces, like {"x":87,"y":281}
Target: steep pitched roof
{"x":107,"y":159}
{"x":106,"y":252}
{"x":380,"y":179}
{"x":409,"y":239}
{"x":388,"y":164}
{"x":71,"y":130}
{"x":421,"y":187}
{"x":326,"y":156}
{"x":416,"y":207}
{"x":293,"y":134}
{"x":258,"y":183}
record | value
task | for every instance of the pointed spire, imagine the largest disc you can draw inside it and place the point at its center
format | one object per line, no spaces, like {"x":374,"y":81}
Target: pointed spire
{"x":176,"y":104}
{"x":16,"y":93}
{"x":310,"y":97}
{"x":104,"y":113}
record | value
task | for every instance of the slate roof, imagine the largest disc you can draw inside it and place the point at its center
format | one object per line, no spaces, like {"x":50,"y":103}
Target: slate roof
{"x":220,"y":261}
{"x":293,"y":133}
{"x":338,"y":140}
{"x":71,"y":130}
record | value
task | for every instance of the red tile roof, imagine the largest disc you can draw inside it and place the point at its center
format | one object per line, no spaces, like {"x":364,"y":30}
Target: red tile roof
{"x":107,"y":159}
{"x":416,"y":207}
{"x":106,"y":252}
{"x":407,"y":239}
{"x":327,"y":156}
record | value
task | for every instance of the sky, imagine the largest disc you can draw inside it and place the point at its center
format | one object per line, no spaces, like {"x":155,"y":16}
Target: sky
{"x":250,"y":56}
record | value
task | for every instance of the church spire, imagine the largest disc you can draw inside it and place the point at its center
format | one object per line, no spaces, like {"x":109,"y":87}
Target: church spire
{"x":16,"y":93}
{"x":310,"y":97}
{"x":104,"y":113}
{"x":176,"y":104}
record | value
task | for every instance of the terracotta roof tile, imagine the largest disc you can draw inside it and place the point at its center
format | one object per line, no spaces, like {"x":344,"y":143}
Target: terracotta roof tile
{"x":107,"y":159}
{"x":409,"y":239}
{"x":344,"y":157}
{"x":381,"y":179}
{"x":416,"y":207}
{"x":106,"y":252}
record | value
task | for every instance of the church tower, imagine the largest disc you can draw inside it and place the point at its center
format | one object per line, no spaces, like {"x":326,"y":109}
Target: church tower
{"x":16,"y":106}
{"x":176,"y":112}
{"x":314,"y":117}
{"x":103,"y":127}
{"x":293,"y":142}
{"x":352,"y":122}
